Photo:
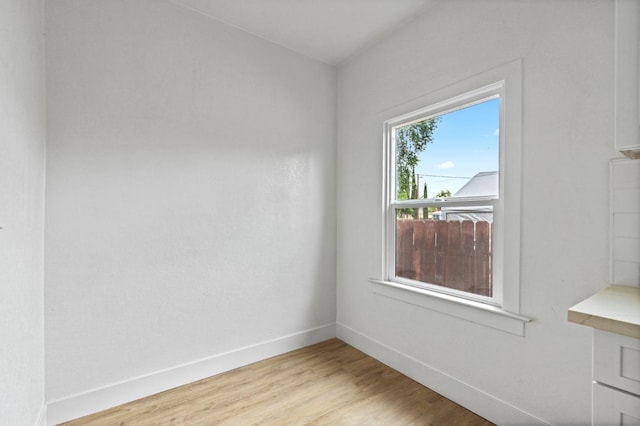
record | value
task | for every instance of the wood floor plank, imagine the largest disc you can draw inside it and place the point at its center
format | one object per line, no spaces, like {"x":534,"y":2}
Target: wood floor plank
{"x":330,"y":383}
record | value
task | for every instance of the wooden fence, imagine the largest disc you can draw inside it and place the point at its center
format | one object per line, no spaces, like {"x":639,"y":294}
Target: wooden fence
{"x":454,"y":254}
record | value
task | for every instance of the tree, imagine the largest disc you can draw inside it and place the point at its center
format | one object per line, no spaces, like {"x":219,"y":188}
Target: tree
{"x":425,"y":211}
{"x":411,"y":140}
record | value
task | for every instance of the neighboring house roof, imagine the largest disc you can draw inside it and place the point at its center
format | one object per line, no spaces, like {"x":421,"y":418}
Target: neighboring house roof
{"x":483,"y":183}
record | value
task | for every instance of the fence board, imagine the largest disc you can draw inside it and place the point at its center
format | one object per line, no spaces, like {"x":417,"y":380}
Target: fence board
{"x":467,"y":255}
{"x":454,"y":274}
{"x":405,"y":249}
{"x":482,"y":261}
{"x":442,"y":244}
{"x":424,"y":238}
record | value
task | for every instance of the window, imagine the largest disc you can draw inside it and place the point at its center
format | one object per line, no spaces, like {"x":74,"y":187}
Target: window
{"x":444,"y":181}
{"x":458,"y":243}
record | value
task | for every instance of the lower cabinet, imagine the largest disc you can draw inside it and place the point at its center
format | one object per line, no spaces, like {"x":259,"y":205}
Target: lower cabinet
{"x":616,"y":375}
{"x":611,"y":407}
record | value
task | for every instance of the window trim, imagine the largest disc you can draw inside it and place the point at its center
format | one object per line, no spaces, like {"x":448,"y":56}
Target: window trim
{"x":462,"y":101}
{"x":456,"y":103}
{"x":507,"y":79}
{"x":469,"y":310}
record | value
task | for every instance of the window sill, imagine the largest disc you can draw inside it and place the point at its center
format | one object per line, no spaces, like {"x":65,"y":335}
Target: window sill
{"x":475,"y":312}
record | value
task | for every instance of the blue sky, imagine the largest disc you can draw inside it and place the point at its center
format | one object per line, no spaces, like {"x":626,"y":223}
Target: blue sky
{"x":465,"y":143}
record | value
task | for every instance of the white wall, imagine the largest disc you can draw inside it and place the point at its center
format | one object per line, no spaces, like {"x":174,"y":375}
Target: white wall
{"x":22,"y":154}
{"x":190,"y":191}
{"x":567,"y":51}
{"x":190,"y":194}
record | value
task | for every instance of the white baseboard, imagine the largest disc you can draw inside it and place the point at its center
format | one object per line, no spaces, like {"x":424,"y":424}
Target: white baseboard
{"x":95,"y":400}
{"x":485,"y":405}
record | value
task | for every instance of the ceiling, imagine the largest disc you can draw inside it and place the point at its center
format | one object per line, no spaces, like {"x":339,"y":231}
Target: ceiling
{"x":326,"y":30}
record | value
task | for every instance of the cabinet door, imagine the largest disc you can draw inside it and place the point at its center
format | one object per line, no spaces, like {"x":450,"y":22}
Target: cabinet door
{"x":627,"y":135}
{"x":612,"y":407}
{"x":616,"y":361}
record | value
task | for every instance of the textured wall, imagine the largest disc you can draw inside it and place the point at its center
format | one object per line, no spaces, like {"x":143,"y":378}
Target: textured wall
{"x":567,"y":51}
{"x":22,"y":158}
{"x":190,"y":191}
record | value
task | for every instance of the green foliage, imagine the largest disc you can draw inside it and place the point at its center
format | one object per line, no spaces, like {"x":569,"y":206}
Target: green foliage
{"x":411,"y":140}
{"x":445,"y":193}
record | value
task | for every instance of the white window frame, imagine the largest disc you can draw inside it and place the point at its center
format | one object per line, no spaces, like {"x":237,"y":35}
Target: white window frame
{"x":502,"y":311}
{"x":462,"y":101}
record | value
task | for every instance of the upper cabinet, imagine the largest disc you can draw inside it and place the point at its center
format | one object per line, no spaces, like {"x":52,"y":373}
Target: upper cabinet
{"x":627,"y":110}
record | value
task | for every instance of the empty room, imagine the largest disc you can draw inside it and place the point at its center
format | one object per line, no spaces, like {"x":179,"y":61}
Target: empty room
{"x":336,"y":212}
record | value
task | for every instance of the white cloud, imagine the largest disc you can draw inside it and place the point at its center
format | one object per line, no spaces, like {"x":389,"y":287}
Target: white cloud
{"x":446,"y":165}
{"x":496,"y":132}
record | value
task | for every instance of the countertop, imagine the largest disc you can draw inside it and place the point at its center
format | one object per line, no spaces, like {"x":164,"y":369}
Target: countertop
{"x":615,"y":309}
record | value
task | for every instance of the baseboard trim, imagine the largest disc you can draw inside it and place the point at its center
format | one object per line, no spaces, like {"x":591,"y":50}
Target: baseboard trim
{"x":99,"y":399}
{"x":482,"y":403}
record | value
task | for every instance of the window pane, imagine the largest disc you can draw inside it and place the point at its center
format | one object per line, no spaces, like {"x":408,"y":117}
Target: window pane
{"x":452,"y":252}
{"x":450,"y":154}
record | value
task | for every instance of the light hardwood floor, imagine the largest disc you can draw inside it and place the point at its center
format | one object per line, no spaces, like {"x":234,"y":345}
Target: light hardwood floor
{"x":330,"y":383}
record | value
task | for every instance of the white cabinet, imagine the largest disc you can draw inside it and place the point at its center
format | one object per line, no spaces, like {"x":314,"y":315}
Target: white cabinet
{"x":614,"y":313}
{"x":612,"y":407}
{"x":627,"y":136}
{"x":616,"y":376}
